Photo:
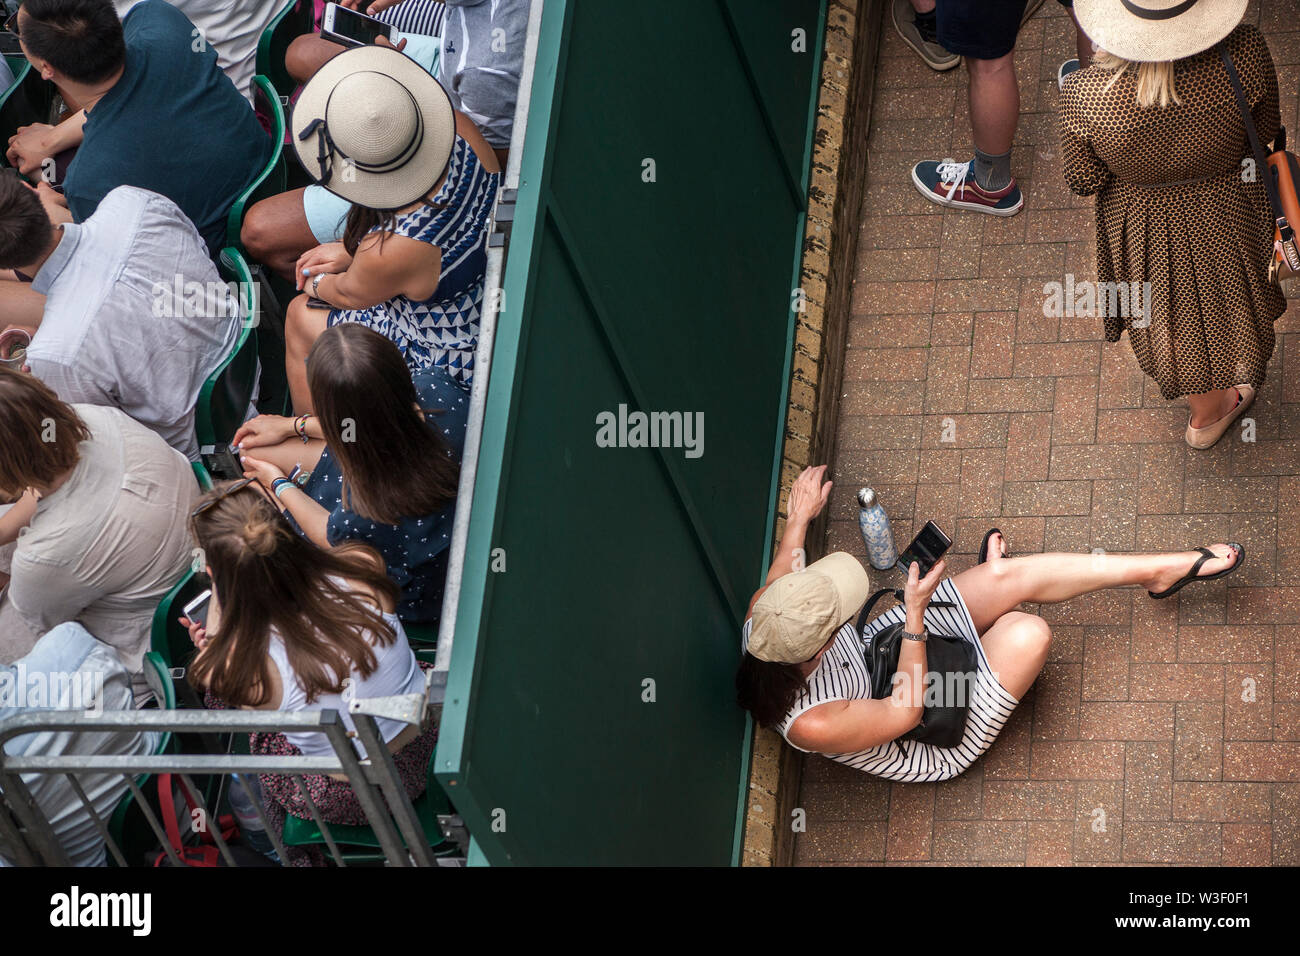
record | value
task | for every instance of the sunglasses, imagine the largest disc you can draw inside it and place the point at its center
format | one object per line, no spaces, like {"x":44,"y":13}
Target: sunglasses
{"x":226,"y":493}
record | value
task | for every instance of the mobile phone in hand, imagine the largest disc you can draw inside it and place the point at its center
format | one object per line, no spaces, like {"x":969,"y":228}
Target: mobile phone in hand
{"x":351,"y":28}
{"x":926,"y":549}
{"x":197,"y":610}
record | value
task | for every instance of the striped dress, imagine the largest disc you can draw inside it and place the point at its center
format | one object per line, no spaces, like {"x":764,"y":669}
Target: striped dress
{"x":424,"y":17}
{"x":842,"y":675}
{"x":442,"y":331}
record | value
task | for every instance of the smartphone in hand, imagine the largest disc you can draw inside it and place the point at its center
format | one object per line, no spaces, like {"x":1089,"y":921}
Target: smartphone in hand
{"x":197,"y":610}
{"x":351,"y":28}
{"x":926,"y":549}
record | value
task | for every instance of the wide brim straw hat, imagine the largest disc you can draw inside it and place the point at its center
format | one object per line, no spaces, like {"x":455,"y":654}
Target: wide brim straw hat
{"x":374,"y":127}
{"x":1152,"y":30}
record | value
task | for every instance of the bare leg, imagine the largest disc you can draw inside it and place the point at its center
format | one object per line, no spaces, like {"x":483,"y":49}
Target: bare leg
{"x":994,"y":103}
{"x":302,"y":327}
{"x":1209,"y":407}
{"x":307,"y":54}
{"x":276,"y":233}
{"x":992,"y":589}
{"x":1016,"y":646}
{"x":20,"y":306}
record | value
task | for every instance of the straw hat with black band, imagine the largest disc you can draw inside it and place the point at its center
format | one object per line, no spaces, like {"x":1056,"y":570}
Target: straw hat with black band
{"x":1152,"y":30}
{"x":374,"y":127}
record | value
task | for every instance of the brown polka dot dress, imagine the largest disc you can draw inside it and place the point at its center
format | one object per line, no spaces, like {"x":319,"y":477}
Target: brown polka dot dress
{"x":1174,"y":209}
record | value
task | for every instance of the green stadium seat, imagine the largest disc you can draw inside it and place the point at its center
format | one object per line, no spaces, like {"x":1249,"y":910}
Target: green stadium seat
{"x":167,"y":638}
{"x":26,"y":101}
{"x":271,"y":180}
{"x":359,"y":843}
{"x":225,"y":397}
{"x":128,"y":826}
{"x":296,"y":17}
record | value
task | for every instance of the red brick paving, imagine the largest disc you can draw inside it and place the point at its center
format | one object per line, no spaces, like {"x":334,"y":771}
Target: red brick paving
{"x":1158,"y":733}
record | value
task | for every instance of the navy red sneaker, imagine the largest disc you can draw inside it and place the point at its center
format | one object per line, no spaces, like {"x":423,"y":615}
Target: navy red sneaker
{"x":950,"y":183}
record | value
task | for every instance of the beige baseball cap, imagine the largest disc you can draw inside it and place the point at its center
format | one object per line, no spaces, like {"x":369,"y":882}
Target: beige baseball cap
{"x":799,"y":612}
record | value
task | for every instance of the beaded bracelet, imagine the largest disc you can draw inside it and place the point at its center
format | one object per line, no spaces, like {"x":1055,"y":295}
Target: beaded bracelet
{"x":300,"y":427}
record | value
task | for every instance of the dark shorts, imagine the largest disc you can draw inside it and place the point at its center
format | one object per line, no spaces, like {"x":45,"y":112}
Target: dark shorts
{"x":981,"y":29}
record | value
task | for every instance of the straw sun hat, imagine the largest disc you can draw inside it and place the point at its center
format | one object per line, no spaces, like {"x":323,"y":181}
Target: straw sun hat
{"x":1151,"y":30}
{"x":373,"y":127}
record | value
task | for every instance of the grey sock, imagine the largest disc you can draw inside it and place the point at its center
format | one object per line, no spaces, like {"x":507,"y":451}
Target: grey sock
{"x":992,"y":172}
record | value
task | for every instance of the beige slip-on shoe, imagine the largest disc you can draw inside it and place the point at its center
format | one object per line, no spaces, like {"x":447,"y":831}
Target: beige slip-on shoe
{"x":1202,"y":438}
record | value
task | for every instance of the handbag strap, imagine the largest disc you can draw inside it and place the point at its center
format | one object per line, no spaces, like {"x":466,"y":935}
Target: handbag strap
{"x":898,"y":596}
{"x":1261,"y":158}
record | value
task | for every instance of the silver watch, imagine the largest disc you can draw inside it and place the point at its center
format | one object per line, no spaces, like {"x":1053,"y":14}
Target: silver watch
{"x":925,"y":632}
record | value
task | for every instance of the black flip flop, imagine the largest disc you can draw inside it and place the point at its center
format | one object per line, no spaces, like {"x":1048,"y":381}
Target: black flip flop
{"x":1206,"y":555}
{"x":984,"y":545}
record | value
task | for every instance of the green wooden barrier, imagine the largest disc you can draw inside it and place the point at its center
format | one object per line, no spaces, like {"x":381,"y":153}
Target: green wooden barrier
{"x":651,"y":266}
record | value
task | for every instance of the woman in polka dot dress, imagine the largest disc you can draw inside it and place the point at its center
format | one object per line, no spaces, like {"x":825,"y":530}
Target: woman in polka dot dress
{"x":383,"y":451}
{"x":1152,"y":129}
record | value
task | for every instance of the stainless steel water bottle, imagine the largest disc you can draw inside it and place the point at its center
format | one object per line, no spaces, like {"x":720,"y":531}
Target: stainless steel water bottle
{"x":877,"y":535}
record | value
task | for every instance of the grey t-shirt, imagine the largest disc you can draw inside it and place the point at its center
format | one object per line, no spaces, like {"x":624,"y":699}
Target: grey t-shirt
{"x":482,"y":57}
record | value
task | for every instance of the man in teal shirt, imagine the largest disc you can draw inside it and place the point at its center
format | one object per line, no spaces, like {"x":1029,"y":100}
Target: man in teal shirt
{"x":158,"y":112}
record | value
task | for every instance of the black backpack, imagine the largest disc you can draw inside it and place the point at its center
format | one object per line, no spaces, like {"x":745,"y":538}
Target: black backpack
{"x":952,"y":659}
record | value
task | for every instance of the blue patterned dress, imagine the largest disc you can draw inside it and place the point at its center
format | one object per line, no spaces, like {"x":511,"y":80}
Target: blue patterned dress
{"x":442,"y":331}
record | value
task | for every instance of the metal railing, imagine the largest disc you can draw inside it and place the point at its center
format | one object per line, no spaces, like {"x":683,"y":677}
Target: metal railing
{"x":28,"y":834}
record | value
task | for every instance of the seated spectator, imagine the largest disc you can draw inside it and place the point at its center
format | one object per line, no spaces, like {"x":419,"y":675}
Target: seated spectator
{"x":69,"y":669}
{"x":154,"y":113}
{"x":481,"y":62}
{"x":105,"y":501}
{"x":481,"y":72}
{"x":290,"y":627}
{"x":279,"y":229}
{"x":422,"y":181}
{"x":383,"y":452}
{"x":231,"y":27}
{"x":135,"y":314}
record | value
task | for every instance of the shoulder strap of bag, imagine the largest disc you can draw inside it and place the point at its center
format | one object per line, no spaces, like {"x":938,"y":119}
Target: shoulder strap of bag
{"x":871,"y":602}
{"x":1261,"y":158}
{"x":898,"y":596}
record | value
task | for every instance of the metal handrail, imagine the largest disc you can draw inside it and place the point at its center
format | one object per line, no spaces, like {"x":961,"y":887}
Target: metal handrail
{"x":375,"y":780}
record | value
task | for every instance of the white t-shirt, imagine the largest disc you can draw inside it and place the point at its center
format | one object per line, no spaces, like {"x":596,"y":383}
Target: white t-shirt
{"x":396,"y":672}
{"x":231,"y":27}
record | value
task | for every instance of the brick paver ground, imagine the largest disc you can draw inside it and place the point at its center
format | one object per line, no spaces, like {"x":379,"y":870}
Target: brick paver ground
{"x":1136,"y":745}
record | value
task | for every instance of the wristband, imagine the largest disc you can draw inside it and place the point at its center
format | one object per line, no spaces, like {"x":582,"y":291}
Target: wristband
{"x":279,"y":484}
{"x":300,"y":427}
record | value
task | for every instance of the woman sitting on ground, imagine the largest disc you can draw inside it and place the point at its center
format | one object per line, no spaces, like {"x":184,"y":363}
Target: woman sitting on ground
{"x":292,"y":627}
{"x":376,"y":129}
{"x":804,"y":673}
{"x":383,"y":452}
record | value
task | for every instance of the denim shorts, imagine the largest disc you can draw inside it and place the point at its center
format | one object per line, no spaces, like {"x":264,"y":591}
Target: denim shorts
{"x":980,"y":29}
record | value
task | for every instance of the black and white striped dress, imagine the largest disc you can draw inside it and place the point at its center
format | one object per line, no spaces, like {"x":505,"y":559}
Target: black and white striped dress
{"x":422,"y":17}
{"x":842,"y":675}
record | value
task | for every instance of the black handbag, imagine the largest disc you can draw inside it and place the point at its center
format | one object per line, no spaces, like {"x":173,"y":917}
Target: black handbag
{"x":949,"y":659}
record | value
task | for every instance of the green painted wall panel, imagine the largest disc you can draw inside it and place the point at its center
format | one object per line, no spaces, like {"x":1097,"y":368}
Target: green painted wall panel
{"x":631,"y":564}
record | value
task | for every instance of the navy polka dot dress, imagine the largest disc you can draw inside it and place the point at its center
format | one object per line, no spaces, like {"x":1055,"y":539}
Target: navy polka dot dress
{"x":415,"y":549}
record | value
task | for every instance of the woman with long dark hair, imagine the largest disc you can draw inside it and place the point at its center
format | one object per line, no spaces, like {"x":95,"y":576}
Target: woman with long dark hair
{"x":376,"y":129}
{"x":293,"y":627}
{"x":383,"y":451}
{"x":804,"y":672}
